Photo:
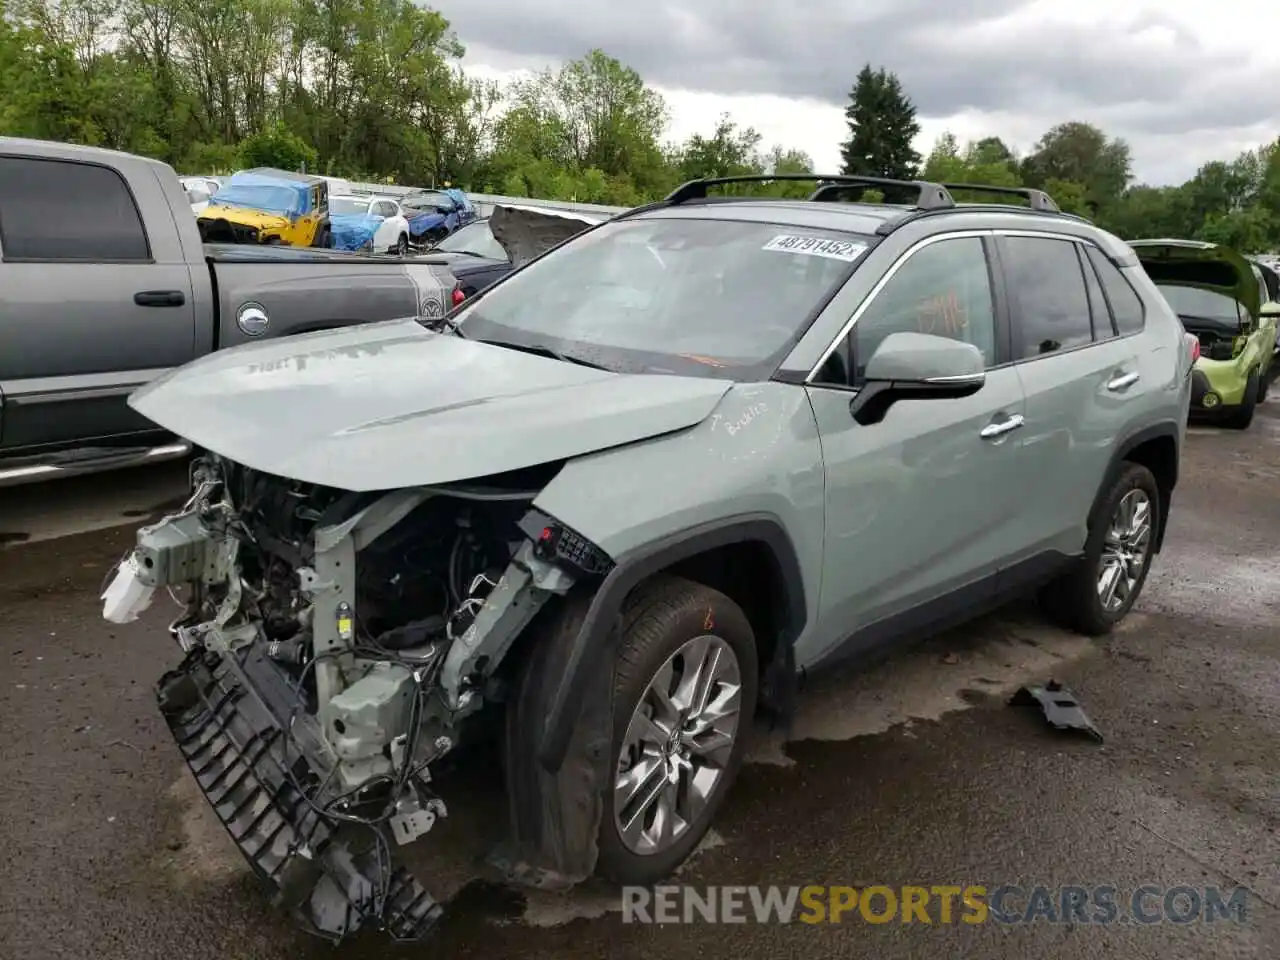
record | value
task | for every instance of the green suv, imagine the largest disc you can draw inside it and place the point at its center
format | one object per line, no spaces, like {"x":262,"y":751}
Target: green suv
{"x":1224,"y":300}
{"x":622,"y":500}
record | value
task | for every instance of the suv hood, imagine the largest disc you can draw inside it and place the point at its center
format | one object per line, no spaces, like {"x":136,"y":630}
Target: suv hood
{"x":391,"y":404}
{"x":1206,"y":266}
{"x":261,"y":219}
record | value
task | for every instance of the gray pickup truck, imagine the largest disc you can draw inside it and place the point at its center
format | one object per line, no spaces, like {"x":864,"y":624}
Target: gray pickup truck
{"x":105,"y":286}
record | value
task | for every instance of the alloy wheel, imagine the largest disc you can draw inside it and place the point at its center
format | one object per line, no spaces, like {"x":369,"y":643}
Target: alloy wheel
{"x":677,"y":745}
{"x":1124,"y":550}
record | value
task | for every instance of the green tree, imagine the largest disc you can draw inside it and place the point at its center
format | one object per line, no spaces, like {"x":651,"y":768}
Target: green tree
{"x":279,"y":147}
{"x":731,"y":151}
{"x":976,"y":163}
{"x":594,"y":114}
{"x":882,"y":125}
{"x":1080,"y":153}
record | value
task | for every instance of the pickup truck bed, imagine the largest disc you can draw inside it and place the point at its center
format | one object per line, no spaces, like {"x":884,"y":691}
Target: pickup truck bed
{"x":105,"y":286}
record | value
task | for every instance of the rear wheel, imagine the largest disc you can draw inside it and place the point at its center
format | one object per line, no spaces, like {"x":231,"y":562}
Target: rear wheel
{"x":1242,"y":416}
{"x":323,"y":237}
{"x":402,"y":246}
{"x":1101,"y":589}
{"x":684,"y":694}
{"x":1264,"y":384}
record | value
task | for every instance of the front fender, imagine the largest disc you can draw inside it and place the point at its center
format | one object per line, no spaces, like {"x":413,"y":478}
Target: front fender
{"x":751,"y":471}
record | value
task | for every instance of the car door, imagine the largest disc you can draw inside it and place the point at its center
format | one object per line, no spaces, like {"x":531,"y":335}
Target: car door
{"x":389,"y":229}
{"x":917,"y":506}
{"x":93,"y":304}
{"x":1082,"y":380}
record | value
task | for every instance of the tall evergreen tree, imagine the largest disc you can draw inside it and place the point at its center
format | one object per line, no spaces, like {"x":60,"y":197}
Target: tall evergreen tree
{"x":882,"y":124}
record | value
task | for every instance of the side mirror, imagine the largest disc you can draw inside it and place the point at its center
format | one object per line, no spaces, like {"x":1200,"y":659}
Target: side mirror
{"x":917,"y":366}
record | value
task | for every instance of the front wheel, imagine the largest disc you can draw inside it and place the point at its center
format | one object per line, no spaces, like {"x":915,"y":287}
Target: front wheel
{"x":1101,"y":589}
{"x":402,"y":246}
{"x":684,"y":695}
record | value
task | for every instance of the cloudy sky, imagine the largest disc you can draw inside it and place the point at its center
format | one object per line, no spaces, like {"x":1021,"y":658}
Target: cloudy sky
{"x":1184,"y":81}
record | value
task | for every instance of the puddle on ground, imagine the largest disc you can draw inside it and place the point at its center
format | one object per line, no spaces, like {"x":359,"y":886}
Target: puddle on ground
{"x":989,"y":658}
{"x":1217,"y":582}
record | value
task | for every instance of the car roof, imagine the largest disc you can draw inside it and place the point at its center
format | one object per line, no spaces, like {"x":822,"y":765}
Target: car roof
{"x":934,"y":204}
{"x":274,"y":173}
{"x":851,"y":217}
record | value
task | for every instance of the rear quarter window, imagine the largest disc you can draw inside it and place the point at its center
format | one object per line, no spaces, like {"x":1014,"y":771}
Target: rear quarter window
{"x":53,"y":210}
{"x":1126,"y":305}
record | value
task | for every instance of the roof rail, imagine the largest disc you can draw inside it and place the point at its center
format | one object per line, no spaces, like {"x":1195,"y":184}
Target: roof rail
{"x":929,"y":196}
{"x":1038,"y":199}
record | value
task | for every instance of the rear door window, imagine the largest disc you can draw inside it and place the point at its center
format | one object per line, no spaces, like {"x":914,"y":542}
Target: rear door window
{"x":59,"y":210}
{"x":1048,"y":293}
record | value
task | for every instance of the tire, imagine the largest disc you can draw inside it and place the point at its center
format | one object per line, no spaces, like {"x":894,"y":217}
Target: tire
{"x":402,"y":246}
{"x":323,"y":238}
{"x":1073,"y":600}
{"x":1264,"y":384}
{"x":1241,"y":417}
{"x":660,"y":621}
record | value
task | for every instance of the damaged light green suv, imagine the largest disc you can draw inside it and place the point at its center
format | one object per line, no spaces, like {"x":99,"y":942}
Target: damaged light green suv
{"x":1223,"y":300}
{"x":621,"y":501}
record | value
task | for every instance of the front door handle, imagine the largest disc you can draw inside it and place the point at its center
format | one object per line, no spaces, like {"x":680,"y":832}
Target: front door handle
{"x":1005,"y":426}
{"x":1123,"y":381}
{"x":160,"y":298}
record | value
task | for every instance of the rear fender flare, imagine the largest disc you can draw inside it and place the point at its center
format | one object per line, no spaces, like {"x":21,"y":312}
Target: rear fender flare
{"x":600,"y":626}
{"x":1123,"y":449}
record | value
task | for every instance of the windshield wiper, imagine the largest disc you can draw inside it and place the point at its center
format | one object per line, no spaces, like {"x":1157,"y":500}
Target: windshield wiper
{"x":544,"y":352}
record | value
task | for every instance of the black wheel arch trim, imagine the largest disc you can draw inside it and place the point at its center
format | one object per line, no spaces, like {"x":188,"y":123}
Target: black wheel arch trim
{"x":1164,"y":429}
{"x":599,"y":627}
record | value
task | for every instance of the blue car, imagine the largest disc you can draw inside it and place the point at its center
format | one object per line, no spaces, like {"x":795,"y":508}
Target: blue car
{"x":434,"y":214}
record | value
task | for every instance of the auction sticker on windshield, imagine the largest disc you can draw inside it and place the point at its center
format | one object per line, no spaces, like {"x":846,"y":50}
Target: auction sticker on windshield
{"x":816,"y":247}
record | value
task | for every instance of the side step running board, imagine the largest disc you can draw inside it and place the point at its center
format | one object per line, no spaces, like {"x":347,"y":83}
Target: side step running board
{"x":50,"y":468}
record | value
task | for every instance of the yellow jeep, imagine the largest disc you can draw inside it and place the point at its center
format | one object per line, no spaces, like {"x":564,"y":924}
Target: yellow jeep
{"x":270,"y":206}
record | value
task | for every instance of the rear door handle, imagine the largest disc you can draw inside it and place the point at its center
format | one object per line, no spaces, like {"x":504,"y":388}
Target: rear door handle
{"x":1000,"y":429}
{"x":1123,"y":381}
{"x":160,"y":298}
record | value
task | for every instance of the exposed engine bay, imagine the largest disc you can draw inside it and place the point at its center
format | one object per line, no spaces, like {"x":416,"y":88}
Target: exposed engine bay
{"x":334,"y":642}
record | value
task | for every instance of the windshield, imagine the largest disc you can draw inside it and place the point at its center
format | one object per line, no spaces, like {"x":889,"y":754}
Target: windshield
{"x":1200,"y":304}
{"x":281,"y":200}
{"x":720,"y":298}
{"x":475,"y":238}
{"x":341,"y":205}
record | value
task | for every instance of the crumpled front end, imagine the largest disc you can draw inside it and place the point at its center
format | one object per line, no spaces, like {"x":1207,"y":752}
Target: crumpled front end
{"x":336,"y":645}
{"x":229,"y":224}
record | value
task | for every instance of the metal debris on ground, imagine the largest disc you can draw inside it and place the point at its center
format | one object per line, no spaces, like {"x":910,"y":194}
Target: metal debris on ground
{"x":1061,"y":709}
